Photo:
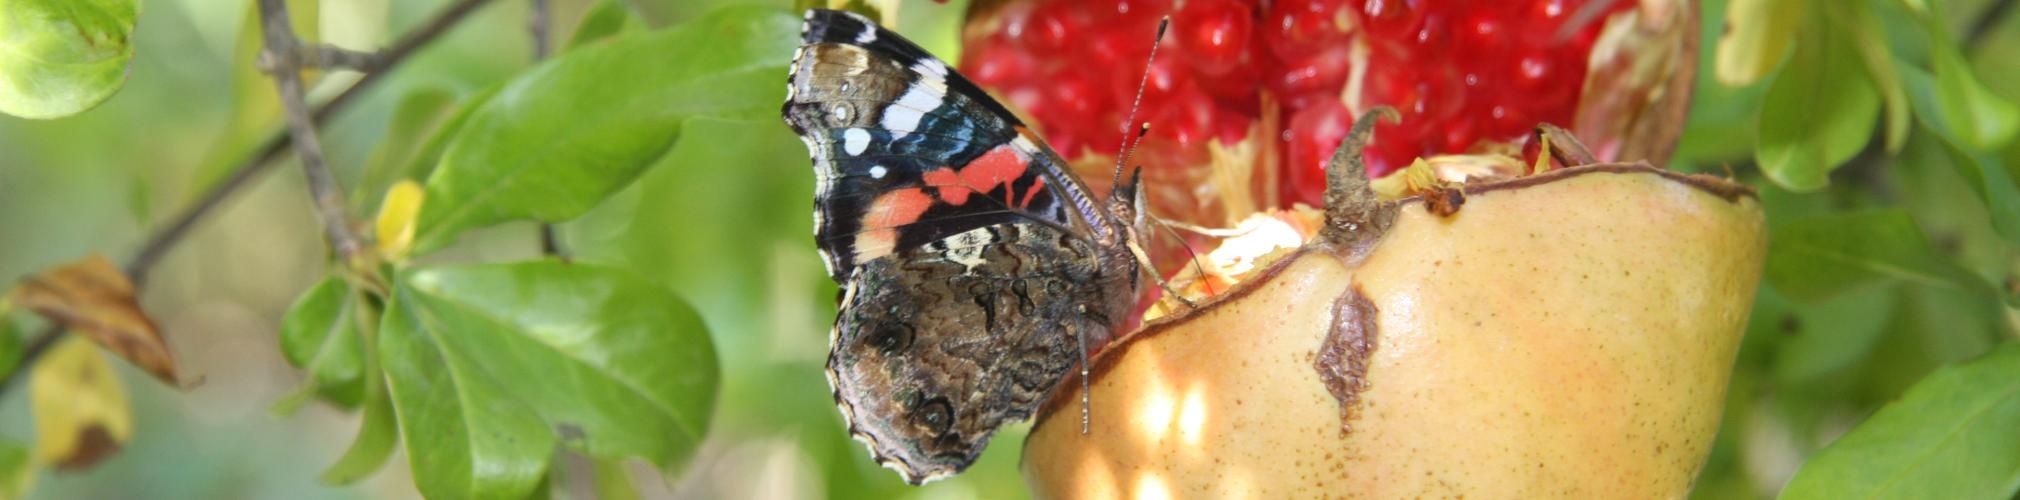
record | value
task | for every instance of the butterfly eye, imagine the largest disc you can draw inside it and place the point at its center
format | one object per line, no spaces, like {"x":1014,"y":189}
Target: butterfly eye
{"x":936,"y":415}
{"x":891,"y":339}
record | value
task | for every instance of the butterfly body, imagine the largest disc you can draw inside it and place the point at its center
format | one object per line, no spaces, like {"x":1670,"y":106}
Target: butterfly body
{"x":975,"y":268}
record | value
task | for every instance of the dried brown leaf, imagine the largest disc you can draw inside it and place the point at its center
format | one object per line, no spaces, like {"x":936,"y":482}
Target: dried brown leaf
{"x":91,"y":296}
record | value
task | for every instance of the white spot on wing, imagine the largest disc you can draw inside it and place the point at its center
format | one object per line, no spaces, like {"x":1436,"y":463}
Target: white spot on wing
{"x":868,"y":35}
{"x":842,"y":111}
{"x":903,"y":117}
{"x":878,"y":171}
{"x":855,"y":141}
{"x":966,"y":248}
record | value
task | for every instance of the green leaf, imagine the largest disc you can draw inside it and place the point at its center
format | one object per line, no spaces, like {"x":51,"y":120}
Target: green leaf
{"x":255,"y":102}
{"x":1816,"y":258}
{"x":1822,"y":339}
{"x":1989,"y":175}
{"x":377,"y":433}
{"x":416,"y":121}
{"x":560,"y":138}
{"x":466,"y":438}
{"x":1879,"y":59}
{"x":11,"y":345}
{"x":17,"y":471}
{"x":1953,"y":435}
{"x":1817,"y":114}
{"x":568,"y":134}
{"x":620,"y":367}
{"x":1975,"y":115}
{"x":320,"y":335}
{"x":606,"y":20}
{"x":61,"y":57}
{"x":611,"y":365}
{"x":1758,"y":33}
{"x":613,"y":482}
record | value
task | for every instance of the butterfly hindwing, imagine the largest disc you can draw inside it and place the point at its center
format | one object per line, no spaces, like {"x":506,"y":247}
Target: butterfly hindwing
{"x":936,"y":348}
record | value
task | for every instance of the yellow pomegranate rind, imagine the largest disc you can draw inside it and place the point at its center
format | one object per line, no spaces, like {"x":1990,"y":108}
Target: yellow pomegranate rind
{"x":1568,"y":334}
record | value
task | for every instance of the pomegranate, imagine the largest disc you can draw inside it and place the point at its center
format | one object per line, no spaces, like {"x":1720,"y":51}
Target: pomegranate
{"x":1249,"y":97}
{"x":1485,"y":326}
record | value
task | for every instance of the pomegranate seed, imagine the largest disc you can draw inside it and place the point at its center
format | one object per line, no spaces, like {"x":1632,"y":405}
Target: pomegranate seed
{"x":1214,"y":34}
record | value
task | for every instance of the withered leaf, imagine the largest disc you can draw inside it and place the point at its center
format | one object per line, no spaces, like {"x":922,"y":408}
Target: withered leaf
{"x":91,"y":296}
{"x":81,"y":411}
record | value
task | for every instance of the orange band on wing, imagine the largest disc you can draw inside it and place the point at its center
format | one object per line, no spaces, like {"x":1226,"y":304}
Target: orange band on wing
{"x":997,"y":167}
{"x":890,"y":210}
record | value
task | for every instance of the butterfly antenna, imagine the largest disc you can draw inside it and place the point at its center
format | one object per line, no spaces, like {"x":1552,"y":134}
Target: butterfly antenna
{"x":1129,"y":143}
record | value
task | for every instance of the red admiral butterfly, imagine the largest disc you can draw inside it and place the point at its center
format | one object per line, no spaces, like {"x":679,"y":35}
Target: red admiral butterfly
{"x":975,"y":269}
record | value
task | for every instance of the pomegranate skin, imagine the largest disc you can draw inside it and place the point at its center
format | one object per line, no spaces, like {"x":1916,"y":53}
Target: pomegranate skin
{"x":1568,"y":334}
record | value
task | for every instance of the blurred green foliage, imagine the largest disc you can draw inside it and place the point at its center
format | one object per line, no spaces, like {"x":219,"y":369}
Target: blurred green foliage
{"x":1879,"y":132}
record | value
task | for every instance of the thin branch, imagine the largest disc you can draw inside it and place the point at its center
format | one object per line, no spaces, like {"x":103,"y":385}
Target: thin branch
{"x":331,"y":56}
{"x":282,"y":59}
{"x":165,"y":237}
{"x":269,"y":152}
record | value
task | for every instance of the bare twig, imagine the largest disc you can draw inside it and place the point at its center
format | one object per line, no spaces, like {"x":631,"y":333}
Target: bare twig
{"x":165,"y":237}
{"x":282,"y":59}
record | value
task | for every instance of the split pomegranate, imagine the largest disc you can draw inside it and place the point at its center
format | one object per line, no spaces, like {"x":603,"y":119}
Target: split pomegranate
{"x":1485,"y":326}
{"x":1248,"y":97}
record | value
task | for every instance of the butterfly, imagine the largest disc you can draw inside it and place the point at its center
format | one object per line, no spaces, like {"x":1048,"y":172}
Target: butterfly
{"x":974,"y":268}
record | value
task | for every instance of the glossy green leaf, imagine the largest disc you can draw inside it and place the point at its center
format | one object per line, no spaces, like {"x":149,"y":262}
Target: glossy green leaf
{"x":618,"y":366}
{"x":378,"y":429}
{"x":1821,"y":339}
{"x":1757,"y":36}
{"x":608,"y":19}
{"x":416,"y":120}
{"x":320,"y":335}
{"x":560,"y":138}
{"x":1816,"y":258}
{"x":466,"y":438}
{"x":17,"y":470}
{"x":608,"y":364}
{"x":1818,"y":112}
{"x":1971,"y":111}
{"x":1871,"y":39}
{"x":255,"y":102}
{"x":1953,"y":435}
{"x":61,"y":57}
{"x":1989,"y":175}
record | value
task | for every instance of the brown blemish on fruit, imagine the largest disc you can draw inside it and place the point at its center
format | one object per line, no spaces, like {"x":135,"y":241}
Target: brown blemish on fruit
{"x":1443,"y":202}
{"x":1343,"y":358}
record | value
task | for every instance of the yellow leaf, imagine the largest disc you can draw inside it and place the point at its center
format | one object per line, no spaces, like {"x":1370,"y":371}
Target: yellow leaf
{"x":1757,"y":34}
{"x":93,"y":298}
{"x":81,"y":411}
{"x":395,"y":227}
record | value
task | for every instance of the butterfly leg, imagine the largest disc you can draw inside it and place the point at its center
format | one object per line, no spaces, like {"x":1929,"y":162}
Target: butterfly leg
{"x":1143,"y":261}
{"x":1080,"y":334}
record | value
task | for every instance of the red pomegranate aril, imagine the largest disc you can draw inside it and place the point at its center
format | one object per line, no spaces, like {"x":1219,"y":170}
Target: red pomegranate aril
{"x":1215,"y":34}
{"x":1186,"y":118}
{"x":998,"y":64}
{"x":1467,"y":75}
{"x":1297,"y":28}
{"x":1312,"y":135}
{"x":1130,"y":13}
{"x":1051,"y":28}
{"x":1320,"y":74}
